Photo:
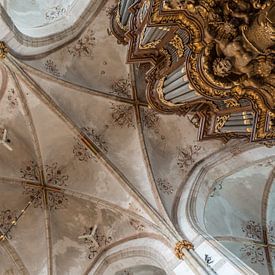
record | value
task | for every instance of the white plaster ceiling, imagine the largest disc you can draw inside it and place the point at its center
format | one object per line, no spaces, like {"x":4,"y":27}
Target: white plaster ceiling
{"x":240,"y":214}
{"x":48,"y":17}
{"x":88,"y":151}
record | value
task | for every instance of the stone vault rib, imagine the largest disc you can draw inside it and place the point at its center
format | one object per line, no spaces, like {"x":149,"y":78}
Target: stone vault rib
{"x":89,"y":144}
{"x":41,"y":173}
{"x":149,"y":171}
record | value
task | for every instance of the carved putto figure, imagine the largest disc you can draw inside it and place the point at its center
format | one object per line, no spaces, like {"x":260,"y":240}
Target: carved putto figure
{"x":241,"y":41}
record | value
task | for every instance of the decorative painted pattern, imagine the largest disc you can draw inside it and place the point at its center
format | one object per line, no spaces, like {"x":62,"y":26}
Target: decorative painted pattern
{"x":6,"y":219}
{"x":30,"y":172}
{"x":96,"y":138}
{"x":55,"y":13}
{"x":81,"y":152}
{"x":84,"y":46}
{"x":57,"y":200}
{"x":187,"y":156}
{"x":123,"y":115}
{"x":122,"y":88}
{"x":271,"y":232}
{"x":151,"y":120}
{"x":35,"y":195}
{"x":216,"y":190}
{"x":252,"y":230}
{"x":165,"y":186}
{"x":137,"y":225}
{"x":101,"y":239}
{"x":109,"y":10}
{"x":51,"y":68}
{"x":235,"y":150}
{"x":252,"y":253}
{"x":268,"y":163}
{"x":55,"y":176}
{"x":12,"y":98}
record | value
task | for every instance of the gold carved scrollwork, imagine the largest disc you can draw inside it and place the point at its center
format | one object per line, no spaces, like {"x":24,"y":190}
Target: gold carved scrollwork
{"x":184,"y":21}
{"x":3,"y":50}
{"x":125,"y":28}
{"x":221,"y":120}
{"x":178,"y":44}
{"x":229,"y":58}
{"x":200,"y":85}
{"x":150,"y":45}
{"x":144,"y":8}
{"x":271,"y":125}
{"x":231,"y":103}
{"x":161,"y":97}
{"x":180,"y":246}
{"x":268,"y":143}
{"x":167,"y":56}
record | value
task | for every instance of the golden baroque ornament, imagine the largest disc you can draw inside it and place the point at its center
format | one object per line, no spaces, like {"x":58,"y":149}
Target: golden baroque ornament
{"x":178,"y":44}
{"x":227,"y":50}
{"x":3,"y":50}
{"x":184,"y":244}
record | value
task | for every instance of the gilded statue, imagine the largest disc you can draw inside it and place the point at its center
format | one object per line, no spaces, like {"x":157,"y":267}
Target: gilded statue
{"x":241,"y":41}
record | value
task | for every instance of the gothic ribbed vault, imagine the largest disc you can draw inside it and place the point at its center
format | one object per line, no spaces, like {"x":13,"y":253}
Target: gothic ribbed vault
{"x":89,"y":155}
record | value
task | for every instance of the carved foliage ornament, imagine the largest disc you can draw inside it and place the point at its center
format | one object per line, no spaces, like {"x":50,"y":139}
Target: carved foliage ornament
{"x":239,"y":50}
{"x":231,"y":54}
{"x":180,"y":246}
{"x":3,"y":50}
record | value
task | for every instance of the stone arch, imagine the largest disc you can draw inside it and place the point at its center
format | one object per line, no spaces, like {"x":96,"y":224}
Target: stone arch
{"x":189,"y":208}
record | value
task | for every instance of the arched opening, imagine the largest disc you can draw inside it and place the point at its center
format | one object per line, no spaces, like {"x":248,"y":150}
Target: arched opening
{"x":227,"y":210}
{"x":238,"y":214}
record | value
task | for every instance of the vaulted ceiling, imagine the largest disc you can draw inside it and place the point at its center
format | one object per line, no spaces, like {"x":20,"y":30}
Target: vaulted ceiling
{"x":240,"y":214}
{"x":88,"y":151}
{"x":45,"y":17}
